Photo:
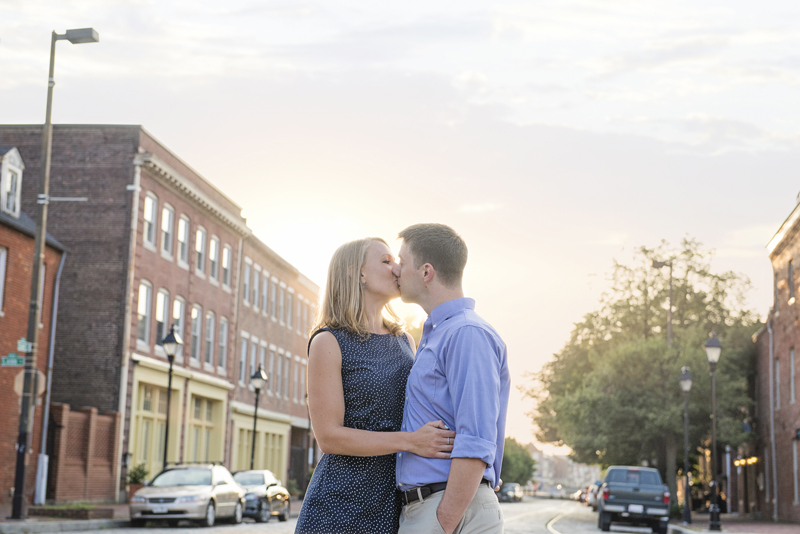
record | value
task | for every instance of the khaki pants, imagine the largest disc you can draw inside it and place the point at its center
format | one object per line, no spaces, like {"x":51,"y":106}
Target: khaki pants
{"x":483,"y":516}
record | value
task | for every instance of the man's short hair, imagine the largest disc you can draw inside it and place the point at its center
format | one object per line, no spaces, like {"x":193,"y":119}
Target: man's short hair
{"x":439,"y":245}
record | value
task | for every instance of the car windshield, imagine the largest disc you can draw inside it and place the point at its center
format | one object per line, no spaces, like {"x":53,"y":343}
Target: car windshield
{"x":636,"y":477}
{"x":183,"y":477}
{"x":249,"y":479}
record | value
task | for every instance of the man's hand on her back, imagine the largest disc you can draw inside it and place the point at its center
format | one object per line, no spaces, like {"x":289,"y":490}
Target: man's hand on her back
{"x":432,"y":440}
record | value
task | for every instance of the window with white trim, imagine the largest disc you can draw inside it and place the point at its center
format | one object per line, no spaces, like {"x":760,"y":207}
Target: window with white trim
{"x":271,"y":375}
{"x":299,"y":315}
{"x":262,"y":355}
{"x":211,"y":329}
{"x":183,"y":240}
{"x":289,"y":311}
{"x":286,"y":368}
{"x":296,"y":382}
{"x":162,"y":316}
{"x":3,"y":262}
{"x":264,"y":293}
{"x":279,"y":375}
{"x":197,"y":326}
{"x":150,"y":207}
{"x":223,"y":343}
{"x":281,"y":306}
{"x":226,"y":265}
{"x":179,"y":319}
{"x":256,"y":278}
{"x":167,"y":232}
{"x":246,"y":284}
{"x":143,"y":307}
{"x":253,"y":354}
{"x":242,"y":361}
{"x":303,"y":372}
{"x":273,"y":300}
{"x":200,"y":249}
{"x":11,"y":168}
{"x":213,"y":258}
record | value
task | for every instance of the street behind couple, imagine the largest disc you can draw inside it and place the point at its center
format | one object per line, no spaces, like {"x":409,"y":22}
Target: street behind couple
{"x":413,"y":444}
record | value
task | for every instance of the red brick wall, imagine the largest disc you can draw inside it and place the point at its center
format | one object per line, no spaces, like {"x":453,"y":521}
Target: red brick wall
{"x":13,"y":326}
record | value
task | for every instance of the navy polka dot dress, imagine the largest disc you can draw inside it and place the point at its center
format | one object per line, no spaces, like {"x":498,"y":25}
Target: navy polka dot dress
{"x":355,"y":494}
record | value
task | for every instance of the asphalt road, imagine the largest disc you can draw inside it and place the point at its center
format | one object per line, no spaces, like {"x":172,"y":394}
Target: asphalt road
{"x":531,"y":516}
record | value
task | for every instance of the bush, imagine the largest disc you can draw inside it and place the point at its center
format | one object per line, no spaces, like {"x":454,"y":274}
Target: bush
{"x":138,"y":474}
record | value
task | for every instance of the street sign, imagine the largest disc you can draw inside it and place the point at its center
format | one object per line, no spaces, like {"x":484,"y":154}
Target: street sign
{"x":19,"y":383}
{"x":12,"y":360}
{"x":24,"y":346}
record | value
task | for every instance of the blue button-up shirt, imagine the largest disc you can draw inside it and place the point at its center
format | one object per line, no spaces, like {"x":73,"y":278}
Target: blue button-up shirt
{"x":460,"y":375}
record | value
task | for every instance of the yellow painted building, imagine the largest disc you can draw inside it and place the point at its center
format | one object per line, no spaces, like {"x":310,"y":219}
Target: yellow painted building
{"x":272,"y":439}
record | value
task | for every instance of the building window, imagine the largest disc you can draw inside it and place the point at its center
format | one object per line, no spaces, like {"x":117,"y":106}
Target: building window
{"x":289,"y":311}
{"x":262,"y":355}
{"x":246,"y":284}
{"x":242,"y":361}
{"x":791,"y":377}
{"x":299,"y":315}
{"x":200,"y":249}
{"x":162,"y":315}
{"x":3,"y":261}
{"x":183,"y":239}
{"x":150,"y":206}
{"x":197,"y":317}
{"x":223,"y":343}
{"x":145,"y":302}
{"x":281,"y":306}
{"x":303,"y":383}
{"x":167,"y":222}
{"x":791,"y":281}
{"x":271,"y":375}
{"x":210,"y":331}
{"x":286,"y":364}
{"x":201,"y":429}
{"x":264,"y":294}
{"x":777,"y":384}
{"x":279,"y":375}
{"x":213,"y":257}
{"x":226,"y":265}
{"x":150,"y":422}
{"x":273,"y":300}
{"x":296,"y":382}
{"x":11,"y":167}
{"x":305,"y":319}
{"x":256,"y":278}
{"x":253,"y":354}
{"x":179,"y":318}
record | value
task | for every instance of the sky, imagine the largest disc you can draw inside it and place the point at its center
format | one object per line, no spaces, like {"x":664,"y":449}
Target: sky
{"x":555,"y":136}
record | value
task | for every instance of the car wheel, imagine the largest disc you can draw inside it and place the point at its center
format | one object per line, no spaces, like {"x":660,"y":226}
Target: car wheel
{"x":263,"y":514}
{"x":237,"y":514}
{"x":604,"y":521}
{"x":137,"y":523}
{"x":284,"y":515}
{"x":211,"y":516}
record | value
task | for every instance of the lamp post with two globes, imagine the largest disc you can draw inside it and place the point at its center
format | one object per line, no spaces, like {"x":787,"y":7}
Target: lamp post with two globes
{"x":713,"y":350}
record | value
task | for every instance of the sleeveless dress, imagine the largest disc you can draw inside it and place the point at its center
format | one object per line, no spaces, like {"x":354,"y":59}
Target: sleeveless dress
{"x":356,"y":494}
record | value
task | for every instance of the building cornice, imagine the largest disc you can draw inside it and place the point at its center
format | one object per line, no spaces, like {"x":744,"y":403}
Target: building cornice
{"x":247,"y":409}
{"x":158,"y":365}
{"x":171,"y":177}
{"x":784,"y":229}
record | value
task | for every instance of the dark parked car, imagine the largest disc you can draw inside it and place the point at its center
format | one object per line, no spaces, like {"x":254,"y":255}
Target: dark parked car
{"x":510,"y":492}
{"x":633,"y":495}
{"x":265,"y":496}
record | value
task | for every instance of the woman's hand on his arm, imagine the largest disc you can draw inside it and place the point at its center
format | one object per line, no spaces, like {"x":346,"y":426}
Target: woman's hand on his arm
{"x":432,"y":440}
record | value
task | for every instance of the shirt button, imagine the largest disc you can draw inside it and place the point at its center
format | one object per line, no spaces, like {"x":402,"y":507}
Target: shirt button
{"x":399,"y":454}
{"x":434,"y":326}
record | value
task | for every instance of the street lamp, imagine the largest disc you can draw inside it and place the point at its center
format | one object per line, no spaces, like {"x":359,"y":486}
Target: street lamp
{"x":258,"y":380}
{"x":686,"y":387}
{"x":84,"y":35}
{"x":171,"y":342}
{"x":713,"y":350}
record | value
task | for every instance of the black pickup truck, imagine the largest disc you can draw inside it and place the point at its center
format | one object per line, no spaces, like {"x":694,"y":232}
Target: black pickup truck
{"x":633,"y":495}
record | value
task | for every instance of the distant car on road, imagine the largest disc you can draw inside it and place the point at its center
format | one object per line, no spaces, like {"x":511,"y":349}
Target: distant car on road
{"x":510,"y":492}
{"x":265,"y":496}
{"x":591,"y":497}
{"x":198,"y":492}
{"x":633,"y":495}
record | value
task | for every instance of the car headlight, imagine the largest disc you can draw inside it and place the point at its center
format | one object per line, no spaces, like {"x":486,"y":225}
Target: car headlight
{"x":138,"y":499}
{"x":191,"y":498}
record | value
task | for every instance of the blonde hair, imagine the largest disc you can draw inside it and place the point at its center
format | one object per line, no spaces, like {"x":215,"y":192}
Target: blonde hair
{"x":343,"y":299}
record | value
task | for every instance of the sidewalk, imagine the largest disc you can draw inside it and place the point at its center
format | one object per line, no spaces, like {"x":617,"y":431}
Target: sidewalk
{"x":735,"y":524}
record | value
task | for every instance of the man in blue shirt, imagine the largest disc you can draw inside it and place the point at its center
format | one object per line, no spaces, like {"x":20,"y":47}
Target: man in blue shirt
{"x":460,"y":375}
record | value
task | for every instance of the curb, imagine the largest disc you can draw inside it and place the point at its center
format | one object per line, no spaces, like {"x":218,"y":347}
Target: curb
{"x":36,"y":527}
{"x":677,"y":529}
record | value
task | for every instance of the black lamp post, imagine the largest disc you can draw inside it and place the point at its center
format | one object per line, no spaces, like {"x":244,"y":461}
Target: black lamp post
{"x":170,"y":344}
{"x":686,"y":387}
{"x":713,"y":350}
{"x":258,"y":380}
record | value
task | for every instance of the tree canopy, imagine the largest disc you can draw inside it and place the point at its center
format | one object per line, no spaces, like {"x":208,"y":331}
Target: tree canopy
{"x":518,"y":464}
{"x":612,"y":393}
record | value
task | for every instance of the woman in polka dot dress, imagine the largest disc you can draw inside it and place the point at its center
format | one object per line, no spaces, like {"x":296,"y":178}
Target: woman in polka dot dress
{"x":359,"y":361}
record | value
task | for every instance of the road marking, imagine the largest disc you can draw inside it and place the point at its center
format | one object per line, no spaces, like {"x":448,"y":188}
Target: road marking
{"x":552,"y":522}
{"x":525,"y":514}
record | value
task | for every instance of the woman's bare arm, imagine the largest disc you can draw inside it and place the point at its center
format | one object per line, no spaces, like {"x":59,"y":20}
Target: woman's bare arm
{"x":326,"y":407}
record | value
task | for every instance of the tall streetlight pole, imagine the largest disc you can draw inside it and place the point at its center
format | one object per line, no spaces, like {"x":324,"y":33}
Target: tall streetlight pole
{"x":171,"y":342}
{"x":658,"y":265}
{"x":686,"y":387}
{"x":713,"y":350}
{"x":84,"y":35}
{"x":258,"y":380}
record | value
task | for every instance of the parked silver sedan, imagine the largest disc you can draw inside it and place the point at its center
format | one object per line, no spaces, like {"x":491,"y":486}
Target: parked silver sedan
{"x":201,"y":492}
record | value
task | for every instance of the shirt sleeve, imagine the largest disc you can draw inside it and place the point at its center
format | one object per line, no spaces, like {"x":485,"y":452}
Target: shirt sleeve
{"x":472,"y":367}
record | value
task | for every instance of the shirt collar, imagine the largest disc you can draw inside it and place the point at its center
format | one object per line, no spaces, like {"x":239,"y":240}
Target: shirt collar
{"x":447,"y":309}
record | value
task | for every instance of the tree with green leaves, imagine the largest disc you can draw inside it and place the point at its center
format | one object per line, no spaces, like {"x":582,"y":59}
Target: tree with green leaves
{"x":612,"y":393}
{"x":518,"y":464}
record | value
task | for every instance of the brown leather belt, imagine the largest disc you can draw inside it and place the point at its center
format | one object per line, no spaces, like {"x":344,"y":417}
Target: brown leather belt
{"x":423,"y":492}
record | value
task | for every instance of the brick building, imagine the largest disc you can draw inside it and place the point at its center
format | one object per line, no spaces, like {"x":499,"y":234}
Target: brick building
{"x":158,"y":244}
{"x":17,"y":231}
{"x":767,"y":473}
